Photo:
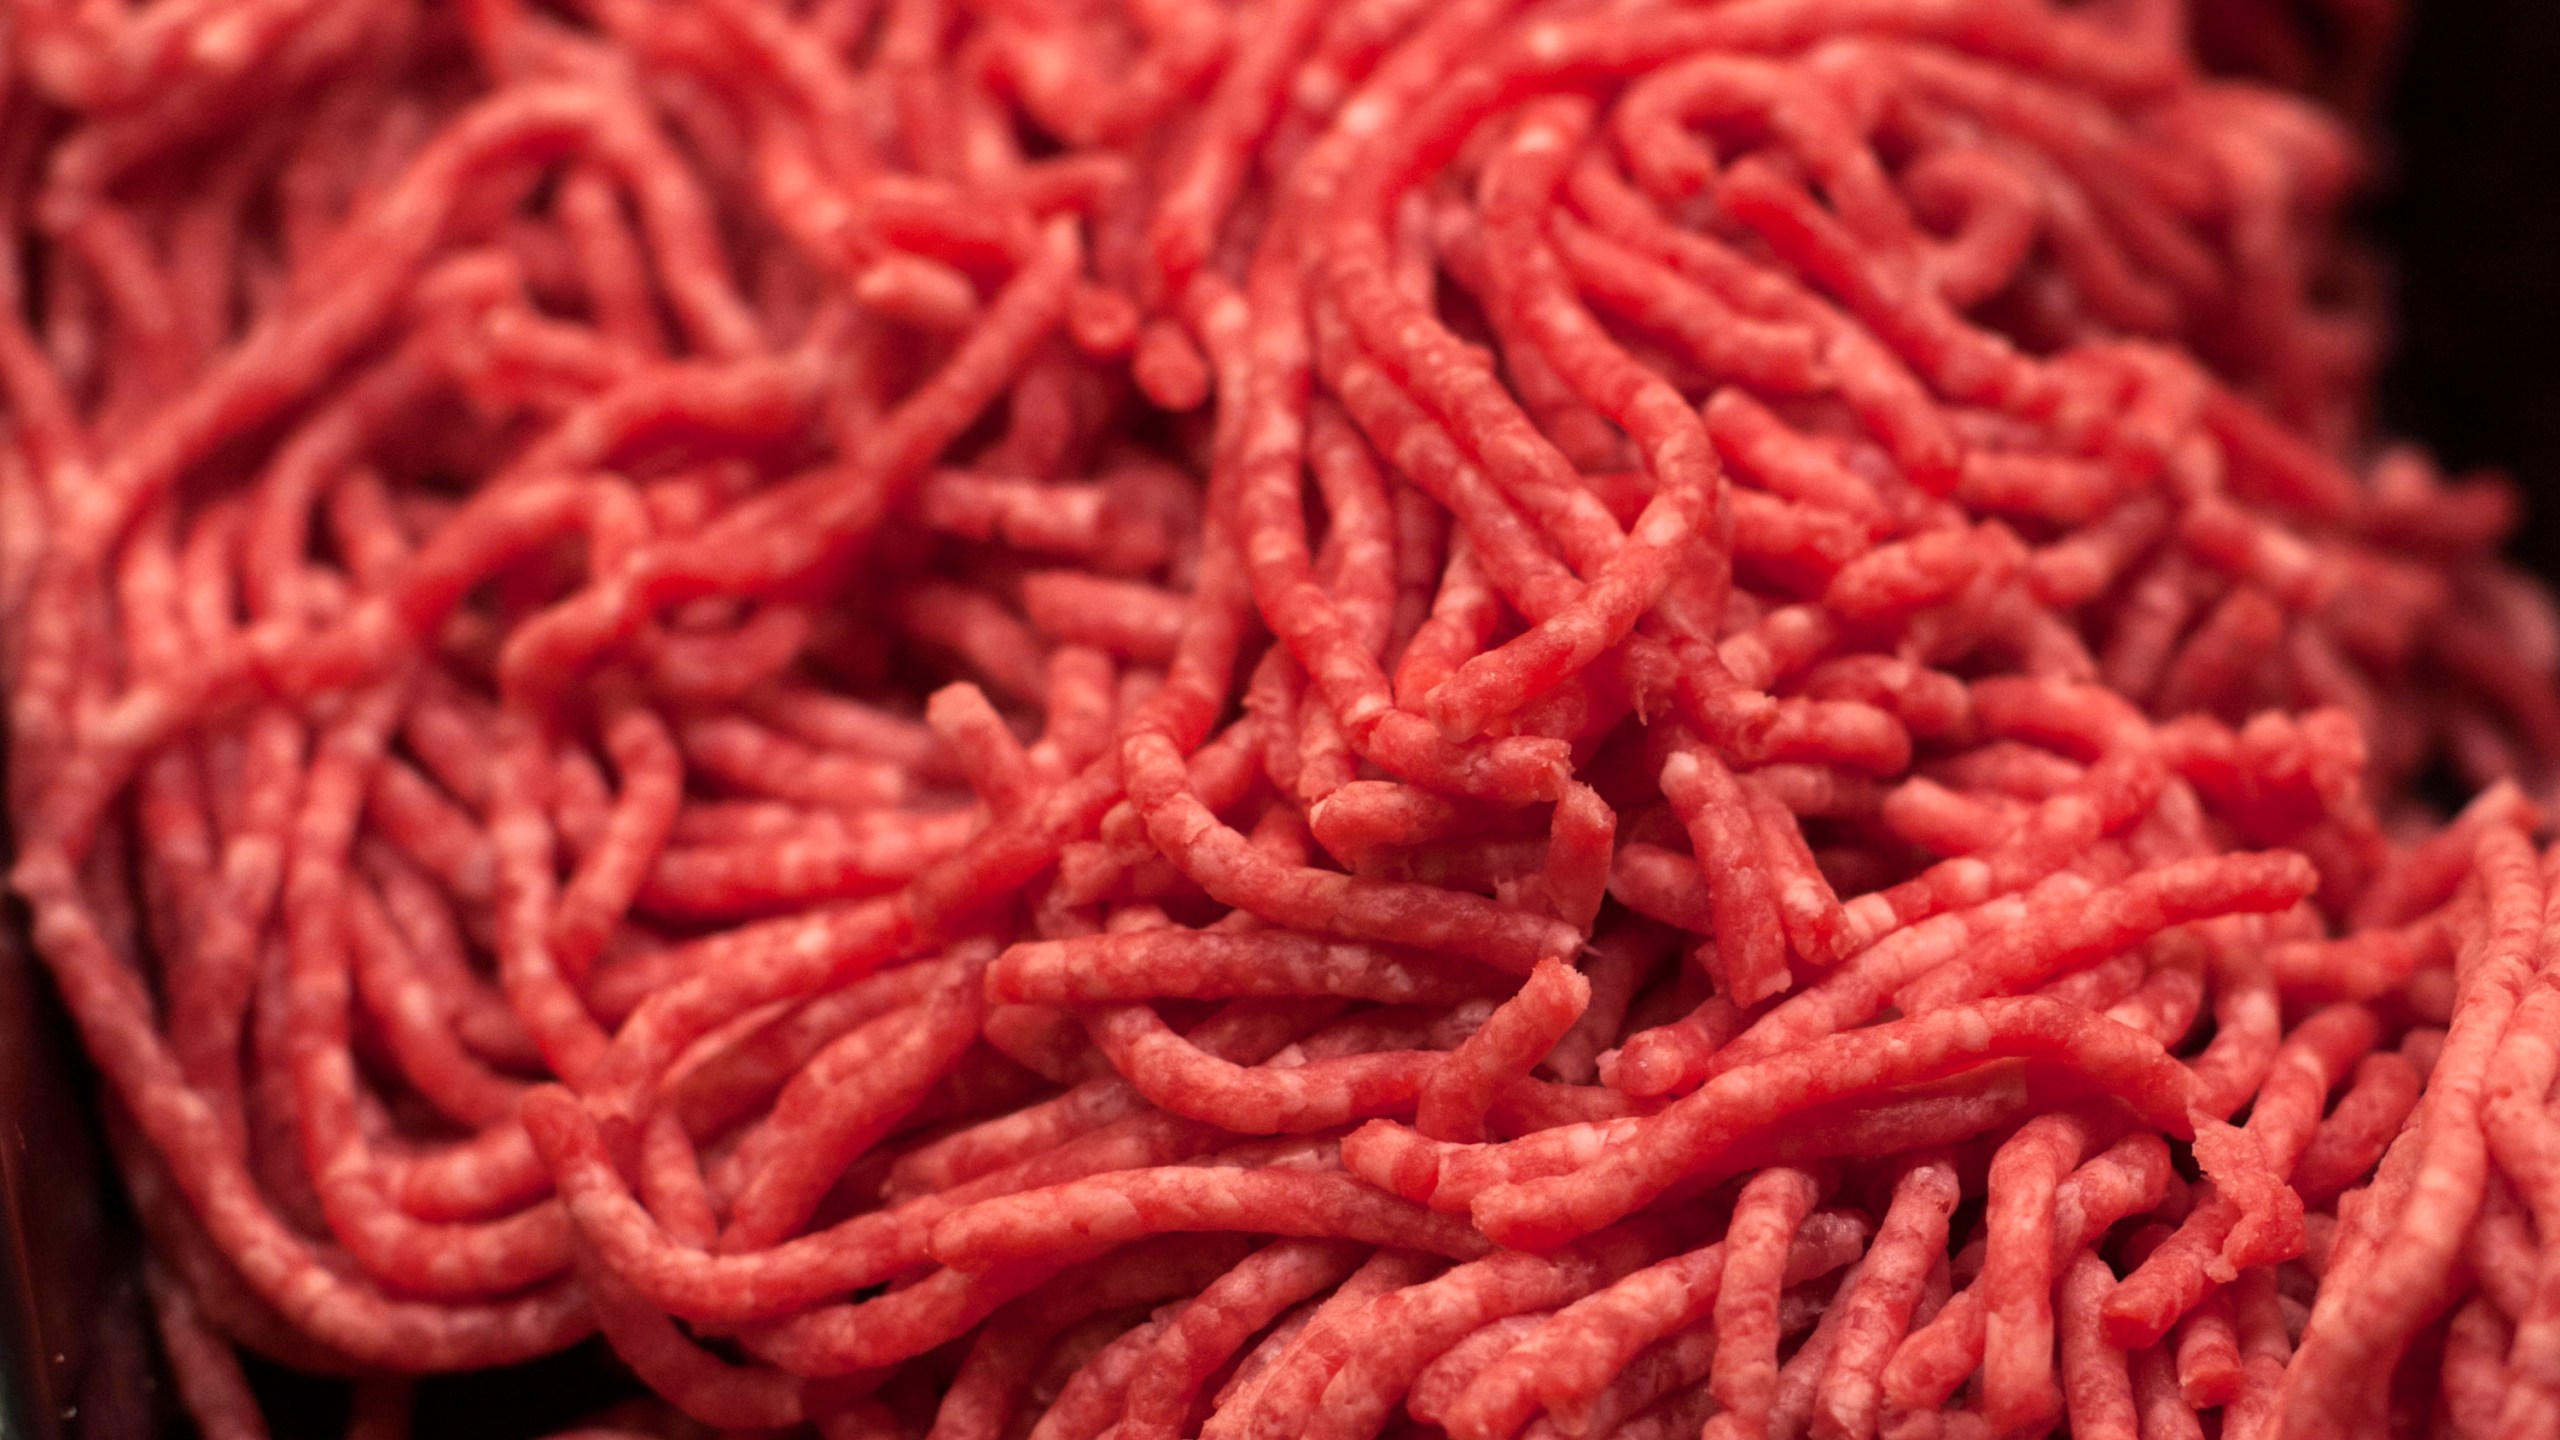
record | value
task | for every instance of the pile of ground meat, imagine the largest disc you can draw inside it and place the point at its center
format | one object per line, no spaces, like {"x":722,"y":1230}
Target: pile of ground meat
{"x":1265,"y":718}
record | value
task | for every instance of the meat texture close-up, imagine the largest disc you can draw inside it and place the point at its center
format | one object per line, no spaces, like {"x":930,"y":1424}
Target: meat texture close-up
{"x":1046,"y":719}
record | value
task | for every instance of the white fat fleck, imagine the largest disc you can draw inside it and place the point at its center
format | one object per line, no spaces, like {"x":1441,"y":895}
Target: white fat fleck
{"x":1976,"y":1029}
{"x":1869,"y":915}
{"x":223,"y":44}
{"x":1115,"y":1215}
{"x":1660,"y":528}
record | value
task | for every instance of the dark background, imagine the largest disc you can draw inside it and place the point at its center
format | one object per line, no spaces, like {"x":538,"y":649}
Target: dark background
{"x":2472,"y":212}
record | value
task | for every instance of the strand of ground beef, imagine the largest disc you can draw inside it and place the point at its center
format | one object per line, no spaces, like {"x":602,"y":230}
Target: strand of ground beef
{"x":1257,"y":718}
